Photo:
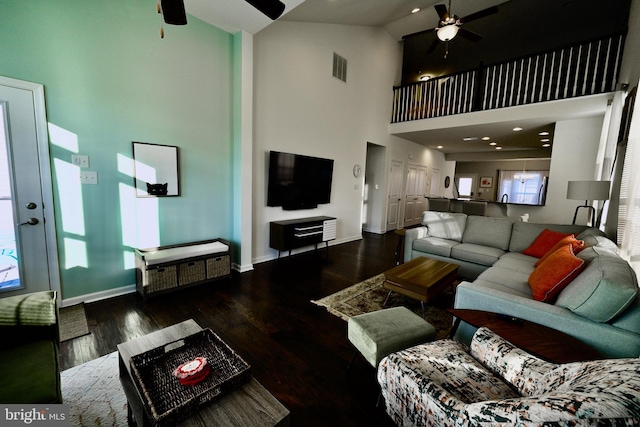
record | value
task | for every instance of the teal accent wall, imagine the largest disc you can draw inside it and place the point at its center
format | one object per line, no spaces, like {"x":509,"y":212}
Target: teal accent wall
{"x":109,"y":80}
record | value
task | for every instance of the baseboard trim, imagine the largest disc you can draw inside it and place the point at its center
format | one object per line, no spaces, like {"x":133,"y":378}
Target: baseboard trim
{"x":97,"y":296}
{"x":242,"y":268}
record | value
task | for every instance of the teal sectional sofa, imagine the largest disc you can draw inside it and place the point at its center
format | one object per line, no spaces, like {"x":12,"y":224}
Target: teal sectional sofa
{"x":600,"y":306}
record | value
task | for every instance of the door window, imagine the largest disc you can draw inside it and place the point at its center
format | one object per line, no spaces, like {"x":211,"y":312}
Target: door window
{"x":9,"y":272}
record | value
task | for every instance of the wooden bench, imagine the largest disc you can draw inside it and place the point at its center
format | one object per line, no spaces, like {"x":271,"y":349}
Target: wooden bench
{"x":168,"y":268}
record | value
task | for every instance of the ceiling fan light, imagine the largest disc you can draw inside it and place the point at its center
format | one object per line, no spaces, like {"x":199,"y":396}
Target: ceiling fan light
{"x":447,"y":32}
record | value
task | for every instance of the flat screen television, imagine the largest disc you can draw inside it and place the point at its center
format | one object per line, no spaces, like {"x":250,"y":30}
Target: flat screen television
{"x":297,"y":181}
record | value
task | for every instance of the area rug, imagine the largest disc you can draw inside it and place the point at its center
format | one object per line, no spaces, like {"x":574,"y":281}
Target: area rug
{"x":73,"y":322}
{"x":94,"y":394}
{"x":369,"y":295}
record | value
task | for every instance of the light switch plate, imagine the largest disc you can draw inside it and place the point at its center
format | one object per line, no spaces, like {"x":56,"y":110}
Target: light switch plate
{"x":80,"y":160}
{"x":88,"y":177}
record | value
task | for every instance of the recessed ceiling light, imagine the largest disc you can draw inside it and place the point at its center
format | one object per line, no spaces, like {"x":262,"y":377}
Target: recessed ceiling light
{"x":546,"y":145}
{"x":517,"y":129}
{"x":545,"y":140}
{"x":498,"y":148}
{"x":486,"y":138}
{"x":470,"y":138}
{"x":415,"y":10}
{"x":425,"y":77}
{"x":493,"y":143}
{"x":544,"y":133}
{"x":439,"y":147}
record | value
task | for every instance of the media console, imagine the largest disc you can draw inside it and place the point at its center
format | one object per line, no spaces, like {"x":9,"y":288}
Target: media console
{"x":296,"y":233}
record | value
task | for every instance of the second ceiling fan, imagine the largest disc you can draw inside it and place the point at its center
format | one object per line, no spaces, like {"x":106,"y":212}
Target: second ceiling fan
{"x":450,"y":26}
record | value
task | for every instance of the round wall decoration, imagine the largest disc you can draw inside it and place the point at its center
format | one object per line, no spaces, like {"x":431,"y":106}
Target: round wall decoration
{"x":447,"y":182}
{"x":356,"y":170}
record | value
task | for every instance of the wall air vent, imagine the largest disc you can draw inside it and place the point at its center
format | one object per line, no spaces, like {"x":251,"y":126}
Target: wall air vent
{"x":339,"y":67}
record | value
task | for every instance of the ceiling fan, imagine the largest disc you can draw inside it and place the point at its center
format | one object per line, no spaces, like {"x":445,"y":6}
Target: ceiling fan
{"x":450,"y":26}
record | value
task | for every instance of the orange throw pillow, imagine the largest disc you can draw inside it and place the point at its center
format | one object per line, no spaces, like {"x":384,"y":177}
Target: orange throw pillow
{"x":544,"y":242}
{"x":556,"y":272}
{"x":576,"y":245}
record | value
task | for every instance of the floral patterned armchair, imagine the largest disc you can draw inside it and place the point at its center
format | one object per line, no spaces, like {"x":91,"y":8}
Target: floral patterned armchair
{"x":494,"y":383}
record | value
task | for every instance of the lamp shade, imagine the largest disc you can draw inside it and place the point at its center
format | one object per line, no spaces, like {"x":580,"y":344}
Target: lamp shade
{"x":588,"y":190}
{"x":447,"y":32}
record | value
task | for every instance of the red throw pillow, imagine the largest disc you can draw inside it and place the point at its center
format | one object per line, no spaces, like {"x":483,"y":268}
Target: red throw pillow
{"x":544,"y":242}
{"x":576,"y":245}
{"x":556,"y":272}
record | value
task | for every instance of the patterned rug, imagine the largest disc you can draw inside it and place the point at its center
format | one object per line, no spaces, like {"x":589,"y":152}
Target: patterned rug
{"x":94,"y":394}
{"x":369,"y":295}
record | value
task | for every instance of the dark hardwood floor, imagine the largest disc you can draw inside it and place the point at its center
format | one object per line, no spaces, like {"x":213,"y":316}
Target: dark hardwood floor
{"x":296,"y":349}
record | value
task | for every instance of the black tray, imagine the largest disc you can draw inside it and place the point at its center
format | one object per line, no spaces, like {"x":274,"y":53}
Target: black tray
{"x":164,"y":398}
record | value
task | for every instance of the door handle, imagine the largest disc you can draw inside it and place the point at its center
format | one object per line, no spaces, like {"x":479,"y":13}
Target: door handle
{"x":31,"y":221}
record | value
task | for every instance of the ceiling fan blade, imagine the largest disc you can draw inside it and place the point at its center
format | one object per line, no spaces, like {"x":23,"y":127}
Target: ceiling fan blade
{"x":272,"y":8}
{"x":443,"y":13}
{"x":480,"y":14}
{"x":469,"y":35}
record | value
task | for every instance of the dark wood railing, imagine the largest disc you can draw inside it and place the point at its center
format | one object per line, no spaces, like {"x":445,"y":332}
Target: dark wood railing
{"x":585,"y":69}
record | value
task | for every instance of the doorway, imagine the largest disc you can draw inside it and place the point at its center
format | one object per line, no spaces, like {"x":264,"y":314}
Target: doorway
{"x":466,"y":185}
{"x":28,"y":250}
{"x":394,"y":197}
{"x":415,"y":195}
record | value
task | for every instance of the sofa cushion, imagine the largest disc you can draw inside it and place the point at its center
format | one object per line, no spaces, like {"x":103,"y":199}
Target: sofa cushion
{"x":435,"y":246}
{"x":556,"y":272}
{"x":517,"y":281}
{"x":600,"y":241}
{"x":524,"y":233}
{"x":545,"y":241}
{"x":36,"y":380}
{"x":431,"y":384}
{"x":478,"y":254}
{"x":488,"y":231}
{"x":604,"y":289}
{"x":37,"y":308}
{"x":516,"y":261}
{"x":513,"y":364}
{"x":444,"y":225}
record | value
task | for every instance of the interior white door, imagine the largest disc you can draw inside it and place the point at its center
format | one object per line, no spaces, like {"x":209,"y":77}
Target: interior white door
{"x":416,"y":190}
{"x":25,"y":240}
{"x":395,"y":195}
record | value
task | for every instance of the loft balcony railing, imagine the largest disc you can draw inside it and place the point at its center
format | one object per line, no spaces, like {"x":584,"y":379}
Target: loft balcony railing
{"x":584,"y":69}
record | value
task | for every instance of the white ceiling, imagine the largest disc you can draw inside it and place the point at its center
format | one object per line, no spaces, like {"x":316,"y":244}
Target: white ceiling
{"x":393,"y":15}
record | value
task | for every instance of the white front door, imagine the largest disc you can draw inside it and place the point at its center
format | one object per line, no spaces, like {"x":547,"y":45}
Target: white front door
{"x":27,"y":232}
{"x":395,"y":195}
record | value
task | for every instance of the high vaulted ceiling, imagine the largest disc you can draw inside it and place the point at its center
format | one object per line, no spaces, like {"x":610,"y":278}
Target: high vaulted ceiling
{"x":521,"y":27}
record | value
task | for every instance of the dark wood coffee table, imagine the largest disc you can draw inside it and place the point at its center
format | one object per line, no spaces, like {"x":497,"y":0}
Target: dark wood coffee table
{"x":249,"y":405}
{"x":421,"y":278}
{"x":544,"y":342}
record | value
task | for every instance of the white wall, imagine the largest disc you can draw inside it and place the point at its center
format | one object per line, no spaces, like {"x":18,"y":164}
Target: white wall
{"x":299,"y":107}
{"x":575,"y":147}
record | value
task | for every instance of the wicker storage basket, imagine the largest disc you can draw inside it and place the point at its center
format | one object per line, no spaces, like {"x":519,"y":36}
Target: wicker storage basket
{"x":218,"y":267}
{"x":191,"y":272}
{"x":161,"y":278}
{"x":165,"y":399}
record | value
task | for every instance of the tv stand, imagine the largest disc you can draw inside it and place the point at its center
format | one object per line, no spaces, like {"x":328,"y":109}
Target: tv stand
{"x":296,"y":233}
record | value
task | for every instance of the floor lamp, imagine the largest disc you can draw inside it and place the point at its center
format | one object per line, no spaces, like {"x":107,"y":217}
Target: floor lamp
{"x":587,"y":190}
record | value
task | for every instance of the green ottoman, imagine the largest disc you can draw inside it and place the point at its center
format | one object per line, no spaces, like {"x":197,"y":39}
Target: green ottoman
{"x":380,"y":333}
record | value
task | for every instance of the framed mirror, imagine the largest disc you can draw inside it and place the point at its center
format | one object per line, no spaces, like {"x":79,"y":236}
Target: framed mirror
{"x":155,"y":170}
